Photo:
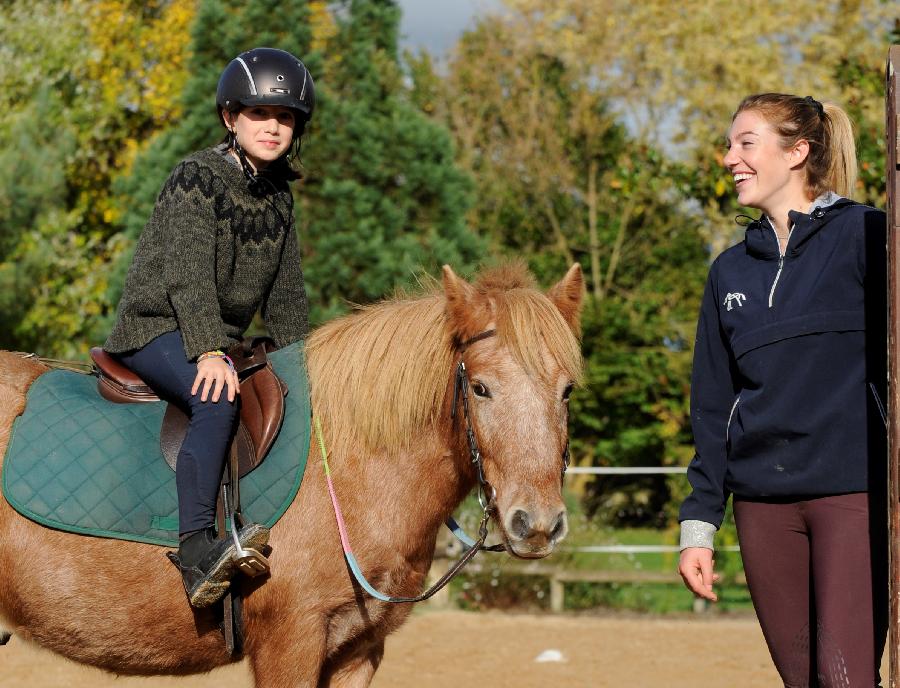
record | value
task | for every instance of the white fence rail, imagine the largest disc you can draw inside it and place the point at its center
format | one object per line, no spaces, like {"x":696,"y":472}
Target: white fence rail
{"x":632,"y":470}
{"x":628,"y":470}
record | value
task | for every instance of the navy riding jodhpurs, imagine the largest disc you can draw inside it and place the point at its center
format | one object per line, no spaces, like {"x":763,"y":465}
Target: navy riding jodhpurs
{"x":163,"y":365}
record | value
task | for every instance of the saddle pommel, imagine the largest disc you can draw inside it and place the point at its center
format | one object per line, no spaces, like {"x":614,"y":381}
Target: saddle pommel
{"x":118,"y":383}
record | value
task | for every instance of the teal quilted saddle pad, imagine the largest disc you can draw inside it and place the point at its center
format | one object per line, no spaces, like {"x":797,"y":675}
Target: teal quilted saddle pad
{"x":79,"y":463}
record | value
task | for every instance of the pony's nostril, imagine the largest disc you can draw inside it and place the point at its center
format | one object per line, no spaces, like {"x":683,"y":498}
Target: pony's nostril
{"x":560,"y":528}
{"x":519,"y":525}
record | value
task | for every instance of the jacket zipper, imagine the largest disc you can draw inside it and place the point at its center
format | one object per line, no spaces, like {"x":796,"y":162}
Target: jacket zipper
{"x":777,"y":275}
{"x":780,"y":261}
{"x":878,"y":403}
{"x":730,"y":416}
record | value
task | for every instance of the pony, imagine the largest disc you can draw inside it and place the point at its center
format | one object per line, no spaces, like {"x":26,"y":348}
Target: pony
{"x":382,"y":384}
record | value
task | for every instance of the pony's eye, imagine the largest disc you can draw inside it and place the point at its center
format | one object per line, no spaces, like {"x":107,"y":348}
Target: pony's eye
{"x":480,"y":390}
{"x":567,"y":392}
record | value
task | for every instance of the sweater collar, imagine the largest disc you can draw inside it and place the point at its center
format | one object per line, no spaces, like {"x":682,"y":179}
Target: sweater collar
{"x":223,"y":150}
{"x":222,"y":160}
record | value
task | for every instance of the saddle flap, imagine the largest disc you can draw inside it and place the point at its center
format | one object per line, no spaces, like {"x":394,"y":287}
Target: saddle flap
{"x":262,"y":407}
{"x":174,"y":427}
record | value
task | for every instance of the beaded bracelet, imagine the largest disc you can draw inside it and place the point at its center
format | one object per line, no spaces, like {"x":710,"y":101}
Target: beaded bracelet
{"x":217,"y":354}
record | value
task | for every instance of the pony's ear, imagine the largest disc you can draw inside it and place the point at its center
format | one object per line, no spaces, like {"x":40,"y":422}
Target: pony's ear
{"x":466,"y":309}
{"x":567,"y":296}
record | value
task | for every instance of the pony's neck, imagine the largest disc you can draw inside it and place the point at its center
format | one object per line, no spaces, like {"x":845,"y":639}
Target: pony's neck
{"x":435,"y":472}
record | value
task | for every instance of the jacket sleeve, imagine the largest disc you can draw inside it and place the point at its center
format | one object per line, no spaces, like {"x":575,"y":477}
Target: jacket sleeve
{"x":190,"y":270}
{"x":284,"y":308}
{"x":713,"y":394}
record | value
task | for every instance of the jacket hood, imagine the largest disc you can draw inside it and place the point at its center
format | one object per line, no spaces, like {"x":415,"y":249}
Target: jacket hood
{"x":760,"y":234}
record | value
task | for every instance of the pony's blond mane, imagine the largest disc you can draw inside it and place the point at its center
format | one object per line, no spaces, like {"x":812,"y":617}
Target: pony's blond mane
{"x":379,"y":374}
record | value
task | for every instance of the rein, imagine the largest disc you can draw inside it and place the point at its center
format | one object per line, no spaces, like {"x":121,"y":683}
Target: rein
{"x":486,"y":495}
{"x":71,"y":366}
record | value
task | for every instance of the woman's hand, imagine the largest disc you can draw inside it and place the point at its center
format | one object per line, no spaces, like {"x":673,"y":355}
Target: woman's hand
{"x":696,"y":568}
{"x":213,"y":374}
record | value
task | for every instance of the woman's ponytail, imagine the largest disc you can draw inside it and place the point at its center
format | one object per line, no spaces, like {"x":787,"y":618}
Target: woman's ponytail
{"x":841,"y":150}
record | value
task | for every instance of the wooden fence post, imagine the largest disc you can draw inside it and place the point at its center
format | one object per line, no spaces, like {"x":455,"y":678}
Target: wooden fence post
{"x":557,"y":594}
{"x":892,"y":110}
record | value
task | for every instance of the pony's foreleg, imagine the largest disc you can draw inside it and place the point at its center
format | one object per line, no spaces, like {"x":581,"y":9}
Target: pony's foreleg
{"x":288,"y":659}
{"x":355,"y":672}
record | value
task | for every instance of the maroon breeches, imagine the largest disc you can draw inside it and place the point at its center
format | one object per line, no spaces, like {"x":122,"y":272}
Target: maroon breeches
{"x":817,"y":573}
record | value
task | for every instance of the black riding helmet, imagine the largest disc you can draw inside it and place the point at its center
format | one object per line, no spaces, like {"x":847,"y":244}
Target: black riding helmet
{"x":267,"y":76}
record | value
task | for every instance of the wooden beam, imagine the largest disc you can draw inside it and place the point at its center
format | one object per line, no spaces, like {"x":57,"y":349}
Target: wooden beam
{"x":892,"y":110}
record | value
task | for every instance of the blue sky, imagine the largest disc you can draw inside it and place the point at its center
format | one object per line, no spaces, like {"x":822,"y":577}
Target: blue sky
{"x":436,"y":24}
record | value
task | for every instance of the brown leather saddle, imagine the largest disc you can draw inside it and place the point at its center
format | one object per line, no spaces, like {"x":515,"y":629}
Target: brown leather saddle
{"x":261,"y":401}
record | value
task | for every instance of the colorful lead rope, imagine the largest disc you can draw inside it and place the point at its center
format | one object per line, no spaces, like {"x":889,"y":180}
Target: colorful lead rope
{"x":345,"y":540}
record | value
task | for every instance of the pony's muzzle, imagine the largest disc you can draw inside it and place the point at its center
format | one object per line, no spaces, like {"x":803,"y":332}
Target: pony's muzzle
{"x":535,"y":532}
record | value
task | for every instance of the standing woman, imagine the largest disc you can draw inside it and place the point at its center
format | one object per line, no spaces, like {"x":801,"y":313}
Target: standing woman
{"x":219,"y":246}
{"x":787,"y":397}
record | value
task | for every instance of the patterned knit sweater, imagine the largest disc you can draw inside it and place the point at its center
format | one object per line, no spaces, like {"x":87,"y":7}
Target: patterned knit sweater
{"x":213,"y":252}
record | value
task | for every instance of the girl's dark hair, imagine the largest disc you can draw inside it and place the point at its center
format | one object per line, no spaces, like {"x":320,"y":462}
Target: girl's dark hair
{"x":831,"y":163}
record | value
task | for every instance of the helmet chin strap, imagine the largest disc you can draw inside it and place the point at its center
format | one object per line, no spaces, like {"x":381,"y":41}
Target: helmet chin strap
{"x":249,"y":173}
{"x":255,"y":180}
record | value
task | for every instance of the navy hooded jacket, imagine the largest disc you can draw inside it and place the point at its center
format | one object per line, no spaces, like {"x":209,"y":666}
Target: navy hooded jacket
{"x":789,"y":377}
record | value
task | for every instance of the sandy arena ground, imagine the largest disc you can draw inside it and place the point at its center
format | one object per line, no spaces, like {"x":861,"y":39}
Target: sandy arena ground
{"x":448,"y":649}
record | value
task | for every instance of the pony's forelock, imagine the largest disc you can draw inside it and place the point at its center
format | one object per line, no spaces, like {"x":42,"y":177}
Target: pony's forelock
{"x":529,"y":324}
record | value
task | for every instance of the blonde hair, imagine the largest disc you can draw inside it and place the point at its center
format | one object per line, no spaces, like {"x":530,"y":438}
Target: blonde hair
{"x":831,"y":163}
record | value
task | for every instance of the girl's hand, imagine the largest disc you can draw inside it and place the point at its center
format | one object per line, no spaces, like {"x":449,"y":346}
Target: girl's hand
{"x":213,"y":374}
{"x":696,"y":568}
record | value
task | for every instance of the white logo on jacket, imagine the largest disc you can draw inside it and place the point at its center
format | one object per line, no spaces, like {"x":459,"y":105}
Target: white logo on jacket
{"x":734,"y":298}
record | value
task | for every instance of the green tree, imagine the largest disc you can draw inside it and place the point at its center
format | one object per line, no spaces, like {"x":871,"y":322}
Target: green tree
{"x":73,"y":119}
{"x":382,"y":198}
